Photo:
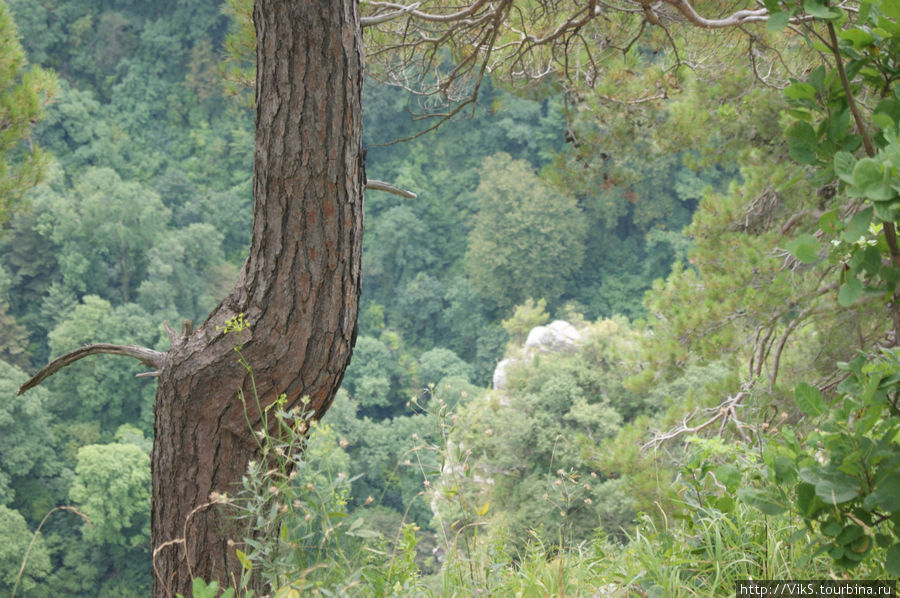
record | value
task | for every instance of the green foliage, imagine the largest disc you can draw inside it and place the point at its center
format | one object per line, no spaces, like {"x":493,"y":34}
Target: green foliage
{"x":374,"y":379}
{"x":112,"y":487}
{"x":527,"y":240}
{"x":15,"y":538}
{"x":438,"y":364}
{"x":841,"y":478}
{"x":146,"y":216}
{"x":23,"y":94}
{"x":104,"y":231}
{"x":524,"y":451}
{"x":821,"y":135}
{"x":525,"y":317}
{"x":105,"y":389}
{"x":26,"y":440}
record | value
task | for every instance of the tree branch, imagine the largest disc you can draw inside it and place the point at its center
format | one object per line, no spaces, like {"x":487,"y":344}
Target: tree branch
{"x":388,"y":188}
{"x":387,"y":16}
{"x":738,"y":18}
{"x":148,"y":357}
{"x":724,"y":412}
{"x":400,"y":10}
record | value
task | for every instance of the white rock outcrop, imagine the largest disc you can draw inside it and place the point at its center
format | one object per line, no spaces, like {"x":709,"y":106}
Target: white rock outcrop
{"x":499,"y":379}
{"x":556,"y":337}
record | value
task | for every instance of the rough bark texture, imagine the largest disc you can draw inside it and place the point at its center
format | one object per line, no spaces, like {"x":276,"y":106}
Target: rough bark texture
{"x":299,"y":288}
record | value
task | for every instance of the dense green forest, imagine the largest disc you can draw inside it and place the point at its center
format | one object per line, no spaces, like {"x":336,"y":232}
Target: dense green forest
{"x":691,"y":295}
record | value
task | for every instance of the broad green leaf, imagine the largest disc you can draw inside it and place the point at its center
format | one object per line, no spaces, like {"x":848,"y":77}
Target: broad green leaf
{"x":859,"y":38}
{"x":837,"y":488}
{"x":838,"y":125}
{"x":858,"y":225}
{"x":778,"y":21}
{"x":868,"y":178}
{"x":887,"y":211}
{"x":867,"y":173}
{"x":843,"y":166}
{"x":805,"y":248}
{"x":849,"y":292}
{"x":809,"y":400}
{"x":785,"y":471}
{"x":728,"y":476}
{"x":883,"y":121}
{"x":831,"y":529}
{"x":871,"y":259}
{"x":725,"y":504}
{"x":200,"y":589}
{"x":886,"y":496}
{"x":889,"y":274}
{"x":801,"y":114}
{"x":817,"y":78}
{"x":806,"y":499}
{"x":761,"y":500}
{"x":890,"y":8}
{"x":849,"y":534}
{"x":828,"y":221}
{"x":800,"y":91}
{"x":818,"y":9}
{"x":892,"y":561}
{"x":287,"y":592}
{"x":803,"y":134}
{"x":802,"y":154}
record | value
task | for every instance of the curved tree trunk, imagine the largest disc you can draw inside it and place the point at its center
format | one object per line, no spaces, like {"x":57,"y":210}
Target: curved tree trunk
{"x":299,"y":289}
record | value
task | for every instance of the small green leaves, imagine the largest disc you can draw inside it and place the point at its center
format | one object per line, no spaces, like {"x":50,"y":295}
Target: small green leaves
{"x":809,"y":400}
{"x":199,"y":589}
{"x":245,"y":562}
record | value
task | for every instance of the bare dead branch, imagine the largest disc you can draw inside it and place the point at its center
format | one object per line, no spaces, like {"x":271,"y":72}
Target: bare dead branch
{"x":173,"y":337}
{"x":387,"y":16}
{"x":723,"y":412}
{"x":734,"y":20}
{"x":148,"y":357}
{"x":388,"y":188}
{"x":412,"y":10}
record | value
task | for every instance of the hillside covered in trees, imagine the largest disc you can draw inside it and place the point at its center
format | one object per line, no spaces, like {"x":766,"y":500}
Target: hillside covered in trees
{"x":710,"y":221}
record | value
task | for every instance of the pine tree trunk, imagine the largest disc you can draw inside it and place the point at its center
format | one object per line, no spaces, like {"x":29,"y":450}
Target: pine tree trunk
{"x":299,"y":288}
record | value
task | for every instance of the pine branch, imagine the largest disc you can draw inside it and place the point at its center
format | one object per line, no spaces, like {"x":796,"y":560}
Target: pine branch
{"x":148,"y":357}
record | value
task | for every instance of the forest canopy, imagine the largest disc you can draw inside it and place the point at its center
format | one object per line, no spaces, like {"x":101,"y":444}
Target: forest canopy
{"x":636,"y":332}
